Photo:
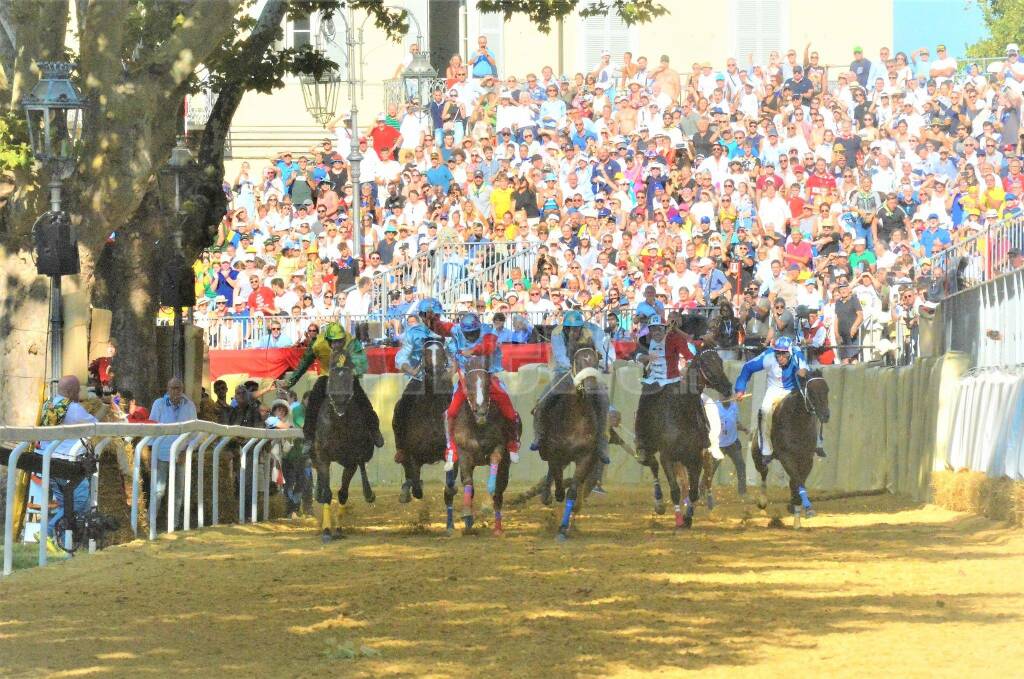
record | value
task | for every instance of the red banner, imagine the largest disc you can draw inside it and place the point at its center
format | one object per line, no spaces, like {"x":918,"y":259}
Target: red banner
{"x":272,"y":363}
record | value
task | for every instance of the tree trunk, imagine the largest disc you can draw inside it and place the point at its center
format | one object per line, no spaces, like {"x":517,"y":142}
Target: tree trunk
{"x":126,"y":283}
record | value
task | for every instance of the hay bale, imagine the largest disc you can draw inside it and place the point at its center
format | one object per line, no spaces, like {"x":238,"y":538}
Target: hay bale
{"x":973,"y":492}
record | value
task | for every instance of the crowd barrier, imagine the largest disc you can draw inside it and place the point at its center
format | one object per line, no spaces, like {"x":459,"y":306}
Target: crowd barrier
{"x":195,"y":437}
{"x":988,"y":424}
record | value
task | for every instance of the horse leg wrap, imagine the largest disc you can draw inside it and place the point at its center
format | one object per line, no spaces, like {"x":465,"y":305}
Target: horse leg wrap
{"x":804,"y":500}
{"x":492,"y":479}
{"x":569,"y":502}
{"x":689,"y":507}
{"x":450,"y":517}
{"x":679,"y":516}
{"x":497,"y":522}
{"x":467,"y":500}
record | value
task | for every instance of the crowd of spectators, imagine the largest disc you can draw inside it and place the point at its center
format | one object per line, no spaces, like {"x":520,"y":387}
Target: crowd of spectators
{"x":791,"y":198}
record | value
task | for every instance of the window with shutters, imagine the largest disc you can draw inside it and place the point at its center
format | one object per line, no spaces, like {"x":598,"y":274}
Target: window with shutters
{"x":760,"y":27}
{"x":600,"y":33}
{"x":492,"y":26}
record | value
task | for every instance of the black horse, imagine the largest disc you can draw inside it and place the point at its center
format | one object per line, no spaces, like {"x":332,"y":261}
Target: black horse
{"x":480,"y":435}
{"x":671,"y":420}
{"x":342,"y":436}
{"x":794,"y":439}
{"x":418,"y":422}
{"x":569,"y":422}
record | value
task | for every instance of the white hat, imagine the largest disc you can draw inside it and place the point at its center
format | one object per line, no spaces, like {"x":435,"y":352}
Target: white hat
{"x":705,"y":261}
{"x":860,"y":241}
{"x":1012,"y":47}
{"x":220,"y":298}
{"x":280,"y":402}
{"x":655,"y":321}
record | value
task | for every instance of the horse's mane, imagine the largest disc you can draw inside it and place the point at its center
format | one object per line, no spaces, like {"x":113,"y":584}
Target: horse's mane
{"x":693,"y":325}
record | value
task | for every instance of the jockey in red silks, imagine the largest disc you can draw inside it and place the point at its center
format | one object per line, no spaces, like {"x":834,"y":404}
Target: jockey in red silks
{"x":472,"y":338}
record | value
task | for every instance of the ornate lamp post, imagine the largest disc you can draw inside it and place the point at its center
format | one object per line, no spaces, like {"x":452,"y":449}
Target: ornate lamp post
{"x":179,"y":163}
{"x":53,"y":110}
{"x":320,"y":94}
{"x":419,"y":78}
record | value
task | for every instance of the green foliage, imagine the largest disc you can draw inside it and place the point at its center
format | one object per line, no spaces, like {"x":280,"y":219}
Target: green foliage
{"x":545,"y":12}
{"x":14,"y":150}
{"x":1005,"y":22}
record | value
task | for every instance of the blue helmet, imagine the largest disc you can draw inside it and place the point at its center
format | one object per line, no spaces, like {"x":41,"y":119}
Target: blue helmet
{"x":573,"y":319}
{"x":783,"y":345}
{"x":470,"y":323}
{"x":429,"y":305}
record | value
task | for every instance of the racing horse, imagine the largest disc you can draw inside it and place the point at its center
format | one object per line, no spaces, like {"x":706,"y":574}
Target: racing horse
{"x":794,"y":439}
{"x":342,"y":436}
{"x":677,"y":428}
{"x":480,"y":434}
{"x":570,"y":434}
{"x":418,"y":422}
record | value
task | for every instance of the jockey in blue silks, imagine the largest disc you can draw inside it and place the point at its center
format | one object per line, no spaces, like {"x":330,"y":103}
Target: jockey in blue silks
{"x":410,"y":355}
{"x":565,"y":340}
{"x":469,"y":337}
{"x":783,"y":362}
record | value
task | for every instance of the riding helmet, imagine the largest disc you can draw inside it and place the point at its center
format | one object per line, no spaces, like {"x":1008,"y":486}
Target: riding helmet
{"x":333,"y":332}
{"x":783,"y":345}
{"x":427,"y":306}
{"x":470,"y":323}
{"x":573,"y":319}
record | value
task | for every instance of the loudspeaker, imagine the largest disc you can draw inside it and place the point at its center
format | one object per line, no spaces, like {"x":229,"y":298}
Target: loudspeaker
{"x":56,"y":249}
{"x":177,"y":283}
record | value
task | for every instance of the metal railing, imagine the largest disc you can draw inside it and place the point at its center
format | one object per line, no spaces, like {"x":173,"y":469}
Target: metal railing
{"x":478,"y":270}
{"x":195,"y":437}
{"x":980,"y":258}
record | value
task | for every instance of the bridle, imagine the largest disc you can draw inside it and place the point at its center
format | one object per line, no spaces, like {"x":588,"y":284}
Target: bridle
{"x":334,"y":404}
{"x":808,"y":405}
{"x":486,"y":377}
{"x":575,"y":356}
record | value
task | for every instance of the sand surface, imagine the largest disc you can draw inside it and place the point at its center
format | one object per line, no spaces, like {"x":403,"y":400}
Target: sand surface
{"x":872,"y":586}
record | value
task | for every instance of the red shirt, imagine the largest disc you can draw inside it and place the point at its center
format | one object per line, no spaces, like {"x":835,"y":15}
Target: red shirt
{"x":384,"y":137}
{"x":802,"y":251}
{"x":819,"y":186}
{"x":261,"y":299}
{"x":796,"y":206}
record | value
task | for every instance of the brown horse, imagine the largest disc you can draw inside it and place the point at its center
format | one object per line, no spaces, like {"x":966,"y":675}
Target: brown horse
{"x":570,"y":432}
{"x":794,"y":439}
{"x":674,"y":423}
{"x":480,"y":435}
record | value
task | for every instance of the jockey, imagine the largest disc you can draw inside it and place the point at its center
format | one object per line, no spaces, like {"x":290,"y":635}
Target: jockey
{"x":565,"y":340}
{"x":471,"y":338}
{"x":410,"y":355}
{"x":661,"y":359}
{"x":783,"y":362}
{"x":320,"y":349}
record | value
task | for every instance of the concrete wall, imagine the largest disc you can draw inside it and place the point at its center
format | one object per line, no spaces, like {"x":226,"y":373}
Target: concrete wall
{"x":889,"y":426}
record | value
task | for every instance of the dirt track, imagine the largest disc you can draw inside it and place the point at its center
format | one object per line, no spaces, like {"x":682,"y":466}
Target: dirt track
{"x":872,"y":586}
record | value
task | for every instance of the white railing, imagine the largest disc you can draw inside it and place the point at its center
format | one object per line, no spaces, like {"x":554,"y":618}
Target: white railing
{"x":195,"y":436}
{"x":980,"y":258}
{"x":470,"y":269}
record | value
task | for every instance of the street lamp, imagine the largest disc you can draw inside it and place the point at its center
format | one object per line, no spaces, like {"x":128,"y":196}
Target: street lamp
{"x":178,"y":273}
{"x":320,"y":94}
{"x":53,"y":110}
{"x":419,"y":78}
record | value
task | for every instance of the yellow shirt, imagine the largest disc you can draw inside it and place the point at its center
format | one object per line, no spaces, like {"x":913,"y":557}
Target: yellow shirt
{"x":501,"y":202}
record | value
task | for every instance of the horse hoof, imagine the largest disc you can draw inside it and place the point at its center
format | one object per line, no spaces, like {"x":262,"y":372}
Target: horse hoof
{"x":687,"y":522}
{"x":450,"y":531}
{"x":561,"y":537}
{"x":337,"y":535}
{"x":659,"y":507}
{"x":762,"y":502}
{"x":325,"y":537}
{"x":810,"y":513}
{"x":791,"y":508}
{"x":417,"y":491}
{"x":370,"y":499}
{"x":710,"y":502}
{"x":560,"y":495}
{"x":405,"y":496}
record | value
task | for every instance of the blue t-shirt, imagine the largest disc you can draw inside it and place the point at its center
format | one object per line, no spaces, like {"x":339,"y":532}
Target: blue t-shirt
{"x":729,"y":415}
{"x":440,"y":176}
{"x":224,"y":288}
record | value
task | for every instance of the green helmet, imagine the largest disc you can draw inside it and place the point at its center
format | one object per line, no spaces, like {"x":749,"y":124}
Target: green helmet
{"x":334,"y":331}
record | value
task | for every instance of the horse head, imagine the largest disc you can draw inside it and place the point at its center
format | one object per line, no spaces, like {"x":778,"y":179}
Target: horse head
{"x":815,"y":391}
{"x":710,"y":368}
{"x":478,"y":388}
{"x":435,"y":360}
{"x":584,"y":368}
{"x":340,"y":381}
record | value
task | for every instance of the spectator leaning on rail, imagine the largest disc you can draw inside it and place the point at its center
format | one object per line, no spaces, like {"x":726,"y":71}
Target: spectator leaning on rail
{"x":65,"y":408}
{"x":170,"y":408}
